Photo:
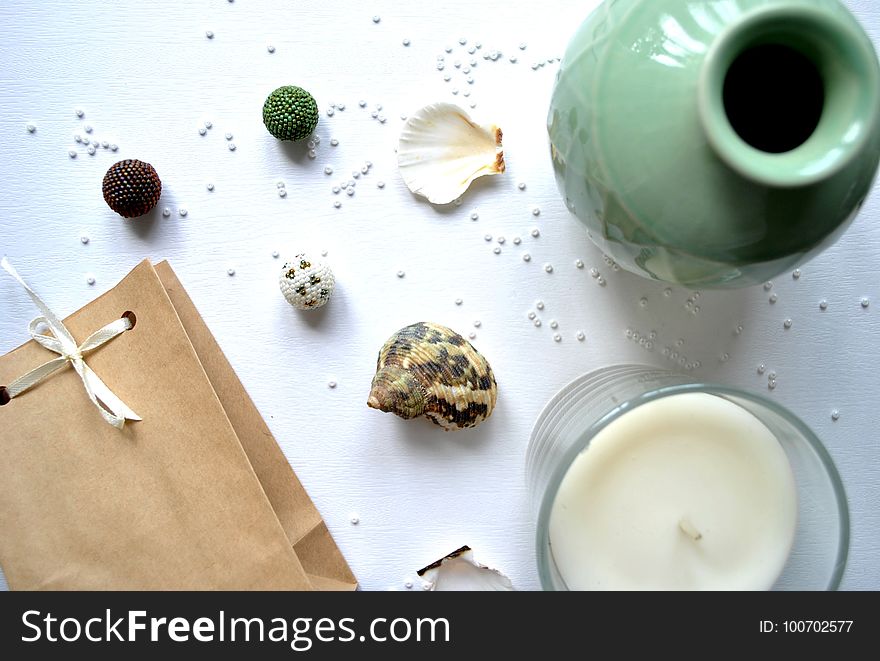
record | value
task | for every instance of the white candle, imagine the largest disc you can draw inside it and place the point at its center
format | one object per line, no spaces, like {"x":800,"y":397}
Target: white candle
{"x":685,"y":492}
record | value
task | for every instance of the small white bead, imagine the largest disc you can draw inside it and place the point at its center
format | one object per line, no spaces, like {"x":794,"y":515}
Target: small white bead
{"x":270,"y":48}
{"x":527,"y":257}
{"x":230,"y":271}
{"x":182,"y":212}
{"x":209,"y":34}
{"x":210,"y":187}
{"x":31,"y":128}
{"x":231,"y":146}
{"x":331,"y":384}
{"x":401,"y":274}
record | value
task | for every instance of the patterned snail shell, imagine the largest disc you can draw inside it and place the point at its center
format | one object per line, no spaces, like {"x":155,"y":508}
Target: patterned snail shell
{"x":429,"y":370}
{"x":305,"y":283}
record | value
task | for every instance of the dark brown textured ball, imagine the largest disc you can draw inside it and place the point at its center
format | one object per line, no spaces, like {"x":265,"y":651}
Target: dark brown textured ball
{"x":131,"y":188}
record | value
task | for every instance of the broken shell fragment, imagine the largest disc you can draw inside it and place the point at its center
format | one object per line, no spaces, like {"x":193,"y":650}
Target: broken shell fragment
{"x":429,"y":370}
{"x":459,"y":572}
{"x":441,"y":151}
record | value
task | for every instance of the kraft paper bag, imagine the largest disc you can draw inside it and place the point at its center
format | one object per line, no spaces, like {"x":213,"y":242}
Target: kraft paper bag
{"x":169,"y":502}
{"x":302,"y":523}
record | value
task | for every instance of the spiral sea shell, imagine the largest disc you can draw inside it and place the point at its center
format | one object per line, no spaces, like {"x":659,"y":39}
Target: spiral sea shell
{"x":429,"y":370}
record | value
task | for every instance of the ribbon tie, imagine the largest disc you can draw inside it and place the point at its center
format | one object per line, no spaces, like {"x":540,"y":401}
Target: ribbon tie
{"x":112,"y":409}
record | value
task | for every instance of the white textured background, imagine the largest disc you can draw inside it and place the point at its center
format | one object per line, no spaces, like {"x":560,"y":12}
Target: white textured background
{"x":147,"y":78}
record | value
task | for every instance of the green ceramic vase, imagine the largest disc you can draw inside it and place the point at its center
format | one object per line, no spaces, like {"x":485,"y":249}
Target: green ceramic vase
{"x":716,"y":143}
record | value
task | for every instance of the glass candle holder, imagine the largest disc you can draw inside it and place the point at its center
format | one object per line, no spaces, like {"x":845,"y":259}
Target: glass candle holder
{"x":584,"y":459}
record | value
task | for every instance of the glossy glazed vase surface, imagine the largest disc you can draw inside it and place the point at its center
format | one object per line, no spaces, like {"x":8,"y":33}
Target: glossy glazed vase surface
{"x":652,"y":153}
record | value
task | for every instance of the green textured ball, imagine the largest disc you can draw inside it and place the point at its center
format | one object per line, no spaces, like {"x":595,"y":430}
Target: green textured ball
{"x":290,"y":113}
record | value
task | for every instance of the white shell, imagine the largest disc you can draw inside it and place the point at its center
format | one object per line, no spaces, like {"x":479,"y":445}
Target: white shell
{"x":441,"y":151}
{"x":458,"y":572}
{"x":306,"y":283}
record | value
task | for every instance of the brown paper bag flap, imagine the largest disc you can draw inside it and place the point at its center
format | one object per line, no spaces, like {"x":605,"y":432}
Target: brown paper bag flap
{"x":168,"y":503}
{"x":299,"y":517}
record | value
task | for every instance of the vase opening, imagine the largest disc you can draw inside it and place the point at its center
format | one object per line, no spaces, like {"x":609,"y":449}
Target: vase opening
{"x":788,"y":95}
{"x":773,"y":97}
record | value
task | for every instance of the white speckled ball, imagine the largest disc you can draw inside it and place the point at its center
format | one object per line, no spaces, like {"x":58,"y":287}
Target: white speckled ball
{"x":306,"y":283}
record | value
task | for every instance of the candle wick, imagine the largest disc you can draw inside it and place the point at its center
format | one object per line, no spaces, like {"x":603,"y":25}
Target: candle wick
{"x":688,"y":529}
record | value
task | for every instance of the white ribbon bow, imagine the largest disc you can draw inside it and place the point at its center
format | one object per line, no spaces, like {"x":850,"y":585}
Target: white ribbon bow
{"x":112,"y":409}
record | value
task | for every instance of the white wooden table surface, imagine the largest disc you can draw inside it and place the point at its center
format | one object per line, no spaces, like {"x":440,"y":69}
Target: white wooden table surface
{"x":147,"y":78}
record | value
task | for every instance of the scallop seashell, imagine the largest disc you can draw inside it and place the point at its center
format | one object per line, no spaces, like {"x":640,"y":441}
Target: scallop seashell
{"x":430,"y":370}
{"x":441,"y":151}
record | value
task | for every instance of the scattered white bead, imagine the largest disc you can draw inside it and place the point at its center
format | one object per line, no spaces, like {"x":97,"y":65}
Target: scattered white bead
{"x":768,"y":285}
{"x":79,"y":113}
{"x":865,"y":302}
{"x":475,"y":215}
{"x":501,"y":240}
{"x":376,"y":19}
{"x":210,"y":187}
{"x":328,"y":169}
{"x":773,"y":298}
{"x":796,"y":274}
{"x":104,"y":144}
{"x":580,"y":336}
{"x":209,"y":34}
{"x":408,"y":585}
{"x":516,"y":240}
{"x":230,"y":271}
{"x":557,"y":338}
{"x":313,"y":154}
{"x":537,"y":323}
{"x":761,"y":368}
{"x":496,"y":250}
{"x":231,"y":146}
{"x":380,"y":184}
{"x":535,"y":233}
{"x":166,"y":212}
{"x":487,"y":237}
{"x":579,"y":263}
{"x":114,"y":147}
{"x":458,"y":301}
{"x":536,"y":211}
{"x":554,"y":324}
{"x":270,"y":48}
{"x":275,"y":254}
{"x":405,"y":42}
{"x":823,"y":305}
{"x":90,"y":279}
{"x":786,"y":323}
{"x":522,"y":46}
{"x":835,"y":415}
{"x":31,"y":128}
{"x":401,"y":274}
{"x":331,"y":384}
{"x":282,"y":192}
{"x":355,"y":520}
{"x":548,"y":268}
{"x":539,"y":305}
{"x":228,"y":136}
{"x":478,"y":323}
{"x":527,"y":257}
{"x":209,"y":125}
{"x":182,"y":212}
{"x":334,"y":142}
{"x":349,"y":191}
{"x":72,"y":154}
{"x":84,"y":239}
{"x":91,"y":150}
{"x":532,"y":316}
{"x":337,"y":204}
{"x":472,"y":335}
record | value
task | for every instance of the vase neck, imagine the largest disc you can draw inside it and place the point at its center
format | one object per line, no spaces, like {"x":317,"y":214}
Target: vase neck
{"x":789,"y":93}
